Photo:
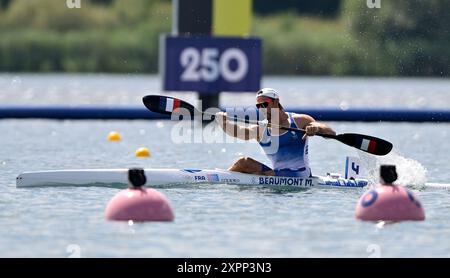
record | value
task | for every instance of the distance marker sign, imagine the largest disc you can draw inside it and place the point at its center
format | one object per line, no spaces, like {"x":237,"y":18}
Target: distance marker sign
{"x":210,"y":64}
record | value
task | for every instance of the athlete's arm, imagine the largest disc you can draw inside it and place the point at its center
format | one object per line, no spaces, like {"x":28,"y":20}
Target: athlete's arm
{"x":243,"y":132}
{"x":312,"y":127}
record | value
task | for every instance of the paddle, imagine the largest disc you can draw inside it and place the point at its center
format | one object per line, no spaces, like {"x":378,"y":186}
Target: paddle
{"x":373,"y":145}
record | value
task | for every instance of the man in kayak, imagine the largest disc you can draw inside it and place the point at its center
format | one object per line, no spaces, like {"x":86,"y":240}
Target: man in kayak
{"x":287,"y":150}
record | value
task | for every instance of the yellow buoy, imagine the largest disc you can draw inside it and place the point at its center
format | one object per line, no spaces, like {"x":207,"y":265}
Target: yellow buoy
{"x":114,"y":136}
{"x":142,"y":152}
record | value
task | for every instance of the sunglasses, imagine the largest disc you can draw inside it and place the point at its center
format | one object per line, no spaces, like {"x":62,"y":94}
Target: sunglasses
{"x":262,"y":105}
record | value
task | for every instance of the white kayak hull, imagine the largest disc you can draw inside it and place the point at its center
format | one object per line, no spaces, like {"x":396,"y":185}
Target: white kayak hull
{"x":168,"y":177}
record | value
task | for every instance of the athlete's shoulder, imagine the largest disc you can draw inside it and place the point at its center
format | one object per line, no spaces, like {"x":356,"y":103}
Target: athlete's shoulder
{"x":302,"y":116}
{"x":302,"y":119}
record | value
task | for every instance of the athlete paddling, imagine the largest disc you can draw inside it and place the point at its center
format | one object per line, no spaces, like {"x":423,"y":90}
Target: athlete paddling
{"x":287,"y":150}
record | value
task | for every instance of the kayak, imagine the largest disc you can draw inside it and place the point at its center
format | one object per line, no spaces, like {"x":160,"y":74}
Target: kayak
{"x":173,"y":177}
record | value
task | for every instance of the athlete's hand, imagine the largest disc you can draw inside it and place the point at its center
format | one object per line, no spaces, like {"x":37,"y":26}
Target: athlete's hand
{"x":311,"y":129}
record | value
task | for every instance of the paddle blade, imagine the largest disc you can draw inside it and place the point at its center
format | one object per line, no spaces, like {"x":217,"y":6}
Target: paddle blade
{"x":166,"y":105}
{"x":366,"y":143}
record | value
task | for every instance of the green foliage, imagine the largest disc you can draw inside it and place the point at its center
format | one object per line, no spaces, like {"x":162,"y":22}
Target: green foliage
{"x":4,"y":4}
{"x":82,"y":46}
{"x":398,"y":20}
{"x":31,"y":52}
{"x":414,"y":35}
{"x":55,"y":15}
{"x":402,"y":38}
{"x":311,"y":46}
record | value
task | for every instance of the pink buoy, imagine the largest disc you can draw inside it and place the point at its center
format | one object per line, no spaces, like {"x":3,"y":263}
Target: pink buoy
{"x":139,"y":204}
{"x":389,"y":202}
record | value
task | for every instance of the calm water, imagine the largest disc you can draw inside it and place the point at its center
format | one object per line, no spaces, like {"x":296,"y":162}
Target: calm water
{"x":213,"y":221}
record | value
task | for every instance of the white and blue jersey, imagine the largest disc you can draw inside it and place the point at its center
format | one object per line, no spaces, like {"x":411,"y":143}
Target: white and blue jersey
{"x":288,"y":152}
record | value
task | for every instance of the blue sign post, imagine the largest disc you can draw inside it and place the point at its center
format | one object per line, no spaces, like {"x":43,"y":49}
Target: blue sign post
{"x":210,"y":64}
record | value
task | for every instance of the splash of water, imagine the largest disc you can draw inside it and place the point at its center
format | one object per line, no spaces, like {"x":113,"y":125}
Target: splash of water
{"x":410,"y":172}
